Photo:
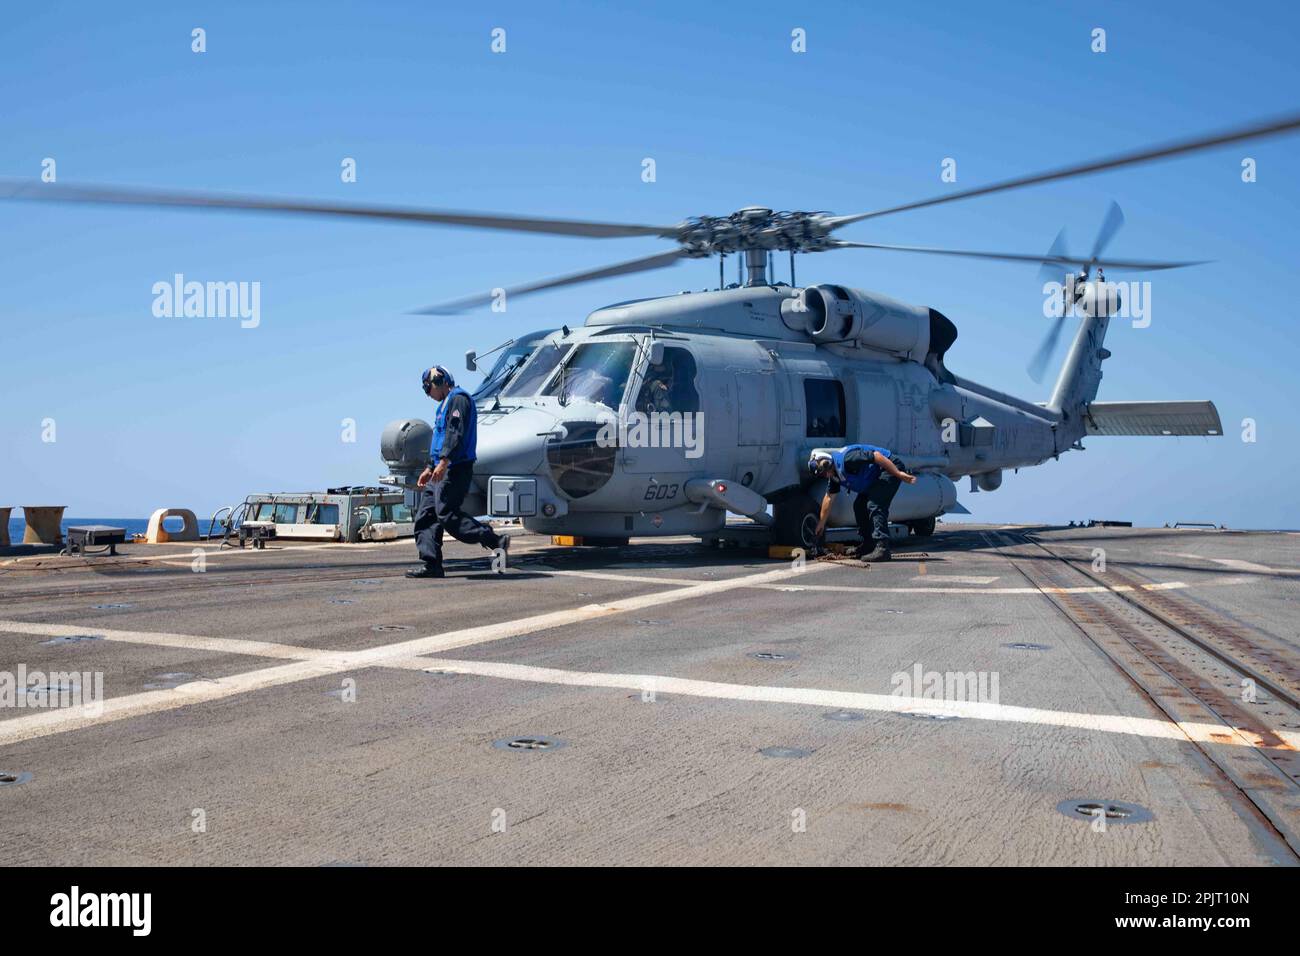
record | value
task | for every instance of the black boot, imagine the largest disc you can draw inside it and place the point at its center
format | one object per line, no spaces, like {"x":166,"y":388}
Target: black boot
{"x":880,"y":552}
{"x":427,"y":571}
{"x":503,"y":546}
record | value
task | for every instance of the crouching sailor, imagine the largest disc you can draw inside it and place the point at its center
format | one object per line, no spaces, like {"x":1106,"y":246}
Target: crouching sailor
{"x":446,"y":480}
{"x":874,"y":475}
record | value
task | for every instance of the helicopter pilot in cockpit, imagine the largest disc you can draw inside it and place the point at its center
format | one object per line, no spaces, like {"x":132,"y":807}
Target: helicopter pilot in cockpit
{"x":656,"y":390}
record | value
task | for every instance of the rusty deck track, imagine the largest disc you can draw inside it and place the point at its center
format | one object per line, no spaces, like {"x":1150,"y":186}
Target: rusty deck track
{"x":1195,"y":666}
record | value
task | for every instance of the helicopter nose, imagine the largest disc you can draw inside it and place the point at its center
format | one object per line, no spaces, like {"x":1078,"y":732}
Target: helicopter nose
{"x":514,"y":444}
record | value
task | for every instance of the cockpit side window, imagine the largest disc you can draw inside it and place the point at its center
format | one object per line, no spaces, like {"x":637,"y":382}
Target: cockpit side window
{"x":670,"y":386}
{"x":597,"y":373}
{"x":503,"y":371}
{"x":533,"y":376}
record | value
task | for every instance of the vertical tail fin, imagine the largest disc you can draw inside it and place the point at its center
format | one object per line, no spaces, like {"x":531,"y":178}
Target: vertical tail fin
{"x":1080,"y":376}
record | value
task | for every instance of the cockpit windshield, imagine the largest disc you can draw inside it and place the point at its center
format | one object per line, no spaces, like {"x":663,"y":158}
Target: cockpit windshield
{"x":597,"y":373}
{"x":504,"y":370}
{"x":538,"y":369}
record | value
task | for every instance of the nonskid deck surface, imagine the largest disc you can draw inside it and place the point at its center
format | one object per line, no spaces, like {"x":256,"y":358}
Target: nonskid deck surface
{"x":307,"y":704}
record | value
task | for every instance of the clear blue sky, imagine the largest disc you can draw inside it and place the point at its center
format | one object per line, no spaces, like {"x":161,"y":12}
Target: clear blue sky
{"x":197,"y":413}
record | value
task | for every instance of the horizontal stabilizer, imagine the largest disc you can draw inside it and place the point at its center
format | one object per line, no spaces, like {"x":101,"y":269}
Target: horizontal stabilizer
{"x":1153,"y":418}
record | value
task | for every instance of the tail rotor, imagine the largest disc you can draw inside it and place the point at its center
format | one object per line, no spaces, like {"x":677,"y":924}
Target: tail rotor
{"x":1057,"y":256}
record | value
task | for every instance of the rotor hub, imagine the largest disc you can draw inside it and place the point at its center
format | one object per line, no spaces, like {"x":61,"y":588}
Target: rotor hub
{"x":756,"y":227}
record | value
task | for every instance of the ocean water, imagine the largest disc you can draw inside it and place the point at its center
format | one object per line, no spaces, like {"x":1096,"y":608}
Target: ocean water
{"x":132,"y":525}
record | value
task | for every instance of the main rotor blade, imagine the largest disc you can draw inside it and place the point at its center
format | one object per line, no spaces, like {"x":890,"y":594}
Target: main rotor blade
{"x":1133,"y":265}
{"x":1038,"y":364}
{"x":1109,"y":226}
{"x":657,"y":261}
{"x":133,"y":196}
{"x":1259,"y":130}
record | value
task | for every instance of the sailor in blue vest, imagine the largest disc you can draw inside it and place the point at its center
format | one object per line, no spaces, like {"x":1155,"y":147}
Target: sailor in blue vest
{"x":446,"y":480}
{"x":874,"y":475}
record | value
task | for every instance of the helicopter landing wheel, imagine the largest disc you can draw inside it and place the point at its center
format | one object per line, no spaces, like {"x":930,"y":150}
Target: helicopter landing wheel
{"x":795,"y":522}
{"x":923,"y":528}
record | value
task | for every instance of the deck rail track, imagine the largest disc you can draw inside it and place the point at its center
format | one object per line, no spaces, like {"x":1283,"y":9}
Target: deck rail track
{"x":1267,"y":660}
{"x":1189,"y":665}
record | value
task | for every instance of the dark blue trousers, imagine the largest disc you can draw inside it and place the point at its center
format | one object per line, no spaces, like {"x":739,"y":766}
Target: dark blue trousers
{"x":871,"y":507}
{"x":438,"y":510}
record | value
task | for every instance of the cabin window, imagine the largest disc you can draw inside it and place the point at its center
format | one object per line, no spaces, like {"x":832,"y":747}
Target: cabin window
{"x":539,"y":368}
{"x":669,"y":387}
{"x":401,"y":514}
{"x":279,"y":513}
{"x":597,"y":373}
{"x":322,"y":514}
{"x":824,"y":399}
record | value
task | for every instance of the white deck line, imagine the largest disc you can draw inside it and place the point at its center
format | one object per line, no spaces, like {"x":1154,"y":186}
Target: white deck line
{"x":852,"y":700}
{"x":334,"y":662}
{"x":408,"y":655}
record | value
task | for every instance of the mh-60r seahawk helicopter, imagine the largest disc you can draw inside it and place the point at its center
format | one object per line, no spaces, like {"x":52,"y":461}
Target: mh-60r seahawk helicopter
{"x":750,"y":378}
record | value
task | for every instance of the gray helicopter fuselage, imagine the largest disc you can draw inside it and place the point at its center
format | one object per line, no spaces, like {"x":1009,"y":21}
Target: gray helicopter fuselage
{"x":758,"y":377}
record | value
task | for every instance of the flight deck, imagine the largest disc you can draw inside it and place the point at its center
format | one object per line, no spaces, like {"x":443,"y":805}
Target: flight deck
{"x":995,"y":695}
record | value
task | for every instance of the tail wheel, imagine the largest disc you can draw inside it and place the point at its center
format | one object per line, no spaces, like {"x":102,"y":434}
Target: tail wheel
{"x":923,"y":528}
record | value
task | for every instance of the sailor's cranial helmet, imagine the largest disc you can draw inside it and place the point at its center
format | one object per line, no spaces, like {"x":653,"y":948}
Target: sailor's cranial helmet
{"x":817,"y":461}
{"x":436,"y":375}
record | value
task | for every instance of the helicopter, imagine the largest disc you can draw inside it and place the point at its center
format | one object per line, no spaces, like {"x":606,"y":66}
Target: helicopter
{"x":660,"y":416}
